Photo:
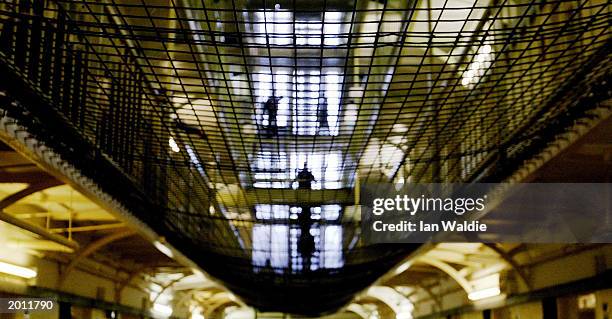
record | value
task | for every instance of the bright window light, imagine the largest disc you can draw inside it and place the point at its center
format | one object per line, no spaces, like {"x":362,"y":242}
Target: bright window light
{"x":18,"y":271}
{"x":387,"y":157}
{"x":301,"y":95}
{"x":311,"y":93}
{"x":279,"y":169}
{"x":308,"y":32}
{"x":332,"y":28}
{"x":271,"y":247}
{"x":272,"y":170}
{"x":277,"y":28}
{"x":197,"y":313}
{"x":162,"y":310}
{"x":326,"y":168}
{"x":281,"y":81}
{"x":173,"y":146}
{"x":484,"y":293}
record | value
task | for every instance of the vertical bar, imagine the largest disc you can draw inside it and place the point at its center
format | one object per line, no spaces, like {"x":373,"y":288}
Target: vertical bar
{"x":130,"y":120}
{"x":65,"y":310}
{"x":100,"y":134}
{"x":83,"y":90}
{"x":146,"y":169}
{"x":549,"y":308}
{"x":67,"y":81}
{"x":35,"y":39}
{"x":21,"y":37}
{"x":117,"y":148}
{"x":46,"y":69}
{"x":112,"y":126}
{"x":76,"y":90}
{"x":138,"y":124}
{"x":7,"y":35}
{"x":124,"y":109}
{"x":110,"y":116}
{"x":58,"y":57}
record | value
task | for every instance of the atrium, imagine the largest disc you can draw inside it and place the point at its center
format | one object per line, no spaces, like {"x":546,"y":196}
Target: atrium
{"x":209,"y":158}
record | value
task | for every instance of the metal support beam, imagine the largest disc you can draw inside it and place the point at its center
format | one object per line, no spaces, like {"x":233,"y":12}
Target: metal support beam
{"x":120,"y":286}
{"x":31,"y":189}
{"x":436,"y":299}
{"x":450,"y":271}
{"x":167,"y":286}
{"x":507,"y":258}
{"x":389,"y":296}
{"x":358,"y":310}
{"x":90,"y":249}
{"x":38,"y":230}
{"x":218,"y":300}
{"x":88,"y":228}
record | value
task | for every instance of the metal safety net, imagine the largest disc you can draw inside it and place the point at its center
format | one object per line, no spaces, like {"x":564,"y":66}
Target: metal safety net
{"x":239,"y":129}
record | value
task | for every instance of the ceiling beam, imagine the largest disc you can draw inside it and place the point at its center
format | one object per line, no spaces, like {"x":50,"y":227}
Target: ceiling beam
{"x":449,"y":270}
{"x":31,"y":189}
{"x":38,"y":230}
{"x":508,"y":258}
{"x":90,"y":249}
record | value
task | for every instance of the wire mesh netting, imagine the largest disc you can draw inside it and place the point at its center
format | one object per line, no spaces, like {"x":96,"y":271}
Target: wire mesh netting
{"x":212,"y":109}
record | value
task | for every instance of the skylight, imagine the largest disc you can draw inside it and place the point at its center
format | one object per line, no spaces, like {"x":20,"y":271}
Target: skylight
{"x":277,"y":27}
{"x":279,"y":169}
{"x":308,"y":100}
{"x":275,"y":246}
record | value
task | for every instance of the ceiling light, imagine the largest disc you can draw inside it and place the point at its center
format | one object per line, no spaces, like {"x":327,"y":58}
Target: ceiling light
{"x":163,"y":248}
{"x":175,"y":148}
{"x":484,"y":293}
{"x":196,"y":313}
{"x":18,"y":271}
{"x":399,"y":128}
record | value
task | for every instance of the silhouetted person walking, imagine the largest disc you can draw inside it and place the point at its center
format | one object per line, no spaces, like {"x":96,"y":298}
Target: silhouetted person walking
{"x":271,"y":109}
{"x":306,"y":243}
{"x":305,"y":178}
{"x":322,"y":116}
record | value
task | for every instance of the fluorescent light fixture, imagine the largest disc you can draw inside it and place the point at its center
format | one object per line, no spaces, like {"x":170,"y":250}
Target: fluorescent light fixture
{"x":484,"y":293}
{"x":163,"y":248}
{"x":403,"y":267}
{"x":477,"y":68}
{"x":18,"y":271}
{"x":173,"y":146}
{"x":162,"y":310}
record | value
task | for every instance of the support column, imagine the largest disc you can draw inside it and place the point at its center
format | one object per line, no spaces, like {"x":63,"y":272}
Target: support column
{"x":549,"y":308}
{"x":65,"y":310}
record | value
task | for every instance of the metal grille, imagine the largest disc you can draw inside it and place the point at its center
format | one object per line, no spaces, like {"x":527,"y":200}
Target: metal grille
{"x":211,"y":108}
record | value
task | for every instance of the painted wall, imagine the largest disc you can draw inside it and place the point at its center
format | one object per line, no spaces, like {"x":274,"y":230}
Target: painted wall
{"x":603,"y":309}
{"x":79,"y":282}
